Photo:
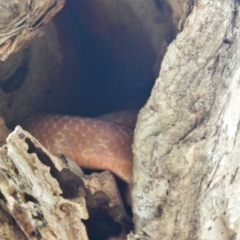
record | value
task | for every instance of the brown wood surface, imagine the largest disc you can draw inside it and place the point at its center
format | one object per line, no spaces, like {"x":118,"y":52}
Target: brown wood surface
{"x":19,"y":22}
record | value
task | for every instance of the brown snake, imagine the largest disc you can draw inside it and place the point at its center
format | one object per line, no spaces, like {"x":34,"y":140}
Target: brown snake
{"x":92,"y":143}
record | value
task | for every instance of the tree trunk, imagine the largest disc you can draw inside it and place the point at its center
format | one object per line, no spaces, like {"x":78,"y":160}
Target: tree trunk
{"x":186,"y":146}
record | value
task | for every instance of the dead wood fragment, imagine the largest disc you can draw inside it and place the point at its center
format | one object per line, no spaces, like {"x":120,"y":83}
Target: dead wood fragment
{"x":32,"y":196}
{"x":47,"y":195}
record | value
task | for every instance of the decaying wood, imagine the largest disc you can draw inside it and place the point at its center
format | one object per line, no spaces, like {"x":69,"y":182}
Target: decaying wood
{"x":187,"y":140}
{"x":21,"y":20}
{"x":8,"y":227}
{"x":4,"y":132}
{"x":31,"y":195}
{"x":47,"y":196}
{"x":186,"y":165}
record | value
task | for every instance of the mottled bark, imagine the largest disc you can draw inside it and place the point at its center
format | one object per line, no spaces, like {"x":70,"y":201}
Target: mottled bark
{"x":186,"y":179}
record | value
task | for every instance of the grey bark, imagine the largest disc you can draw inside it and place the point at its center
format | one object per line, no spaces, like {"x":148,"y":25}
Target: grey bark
{"x":186,"y":147}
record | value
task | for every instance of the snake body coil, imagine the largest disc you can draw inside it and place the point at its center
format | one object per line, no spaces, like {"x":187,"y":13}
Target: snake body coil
{"x":92,"y":143}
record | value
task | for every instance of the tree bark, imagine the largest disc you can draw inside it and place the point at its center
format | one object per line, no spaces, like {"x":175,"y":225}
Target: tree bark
{"x":186,"y":146}
{"x":21,"y":20}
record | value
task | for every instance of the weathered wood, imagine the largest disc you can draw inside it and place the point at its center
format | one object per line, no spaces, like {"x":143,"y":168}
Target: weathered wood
{"x":48,"y":196}
{"x":32,"y":196}
{"x":186,"y":173}
{"x":186,"y":166}
{"x":22,"y":20}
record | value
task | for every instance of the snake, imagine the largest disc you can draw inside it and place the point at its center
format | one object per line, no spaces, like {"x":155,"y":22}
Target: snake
{"x":93,"y":143}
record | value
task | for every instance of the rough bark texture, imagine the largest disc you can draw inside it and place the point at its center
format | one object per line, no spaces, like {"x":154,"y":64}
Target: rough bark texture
{"x":186,"y":172}
{"x":46,"y":197}
{"x":21,"y":20}
{"x":186,"y":180}
{"x":31,"y":195}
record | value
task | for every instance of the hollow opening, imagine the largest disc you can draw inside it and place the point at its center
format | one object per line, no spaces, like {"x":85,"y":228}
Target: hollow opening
{"x":96,"y":57}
